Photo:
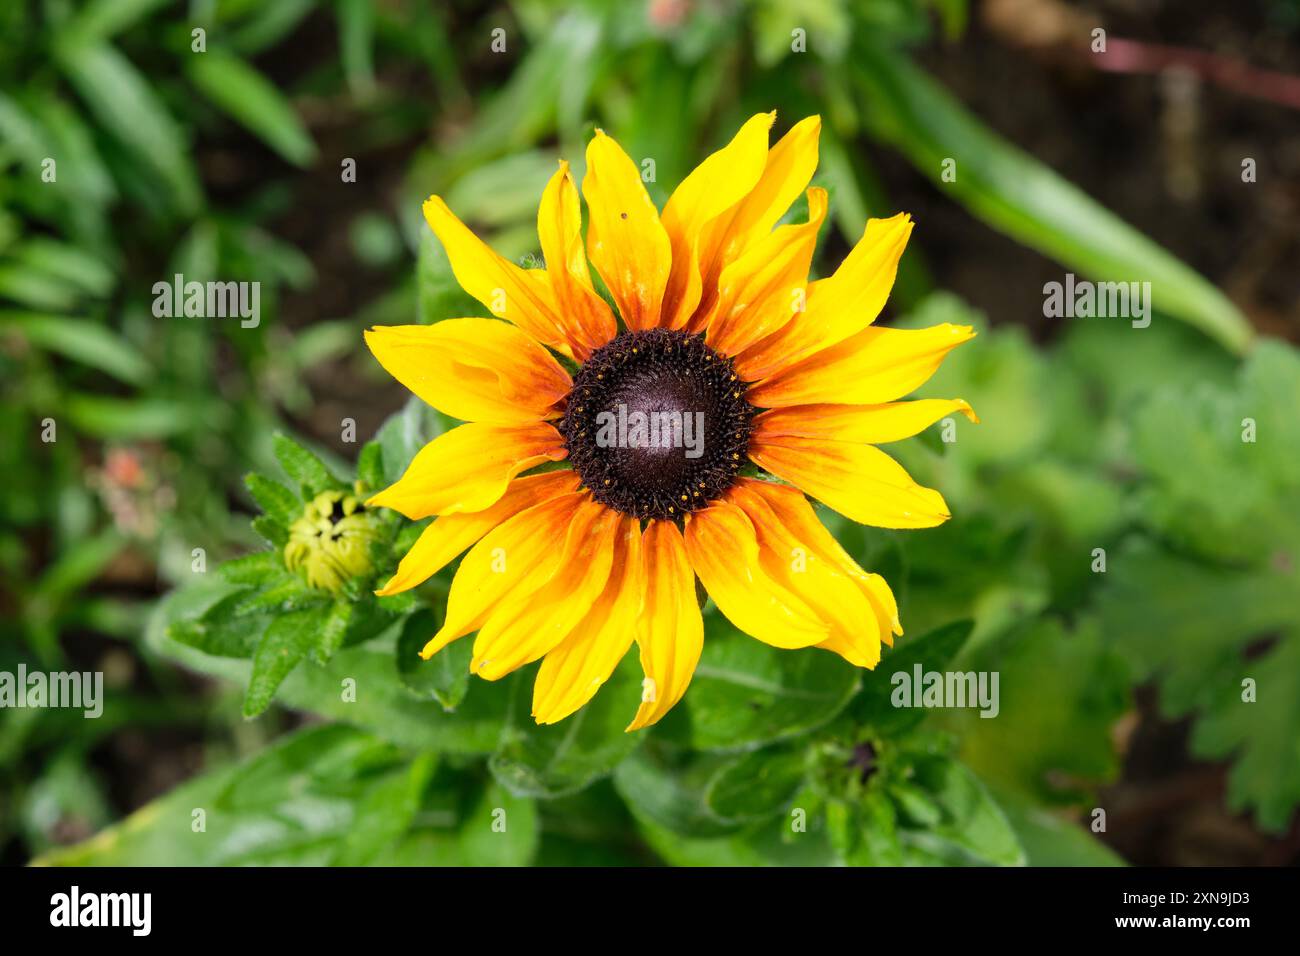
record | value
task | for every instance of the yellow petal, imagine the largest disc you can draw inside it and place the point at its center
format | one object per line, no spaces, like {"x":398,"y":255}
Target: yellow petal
{"x":838,"y":306}
{"x":451,"y":534}
{"x":587,"y":319}
{"x":790,"y":165}
{"x":468,"y":468}
{"x":671,"y":630}
{"x":573,"y":671}
{"x":625,"y":239}
{"x":478,"y":370}
{"x":877,"y":365}
{"x":715,"y":185}
{"x":765,"y":288}
{"x":517,"y":555}
{"x":859,"y":481}
{"x":796,"y":514}
{"x":872,"y":424}
{"x":837,"y":598}
{"x":529,"y":623}
{"x":517,"y":295}
{"x":723,"y":550}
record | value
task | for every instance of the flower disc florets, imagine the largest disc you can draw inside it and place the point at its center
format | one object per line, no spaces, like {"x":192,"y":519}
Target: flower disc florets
{"x":657,"y":423}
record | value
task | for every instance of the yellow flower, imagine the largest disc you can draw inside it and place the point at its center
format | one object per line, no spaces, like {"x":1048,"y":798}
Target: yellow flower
{"x":330,"y":543}
{"x":722,"y":338}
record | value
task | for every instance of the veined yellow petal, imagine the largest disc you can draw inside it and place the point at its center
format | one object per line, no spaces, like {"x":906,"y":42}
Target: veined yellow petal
{"x":451,"y":534}
{"x":872,"y":424}
{"x":468,"y":468}
{"x":528,"y":624}
{"x":587,"y":320}
{"x":859,"y":481}
{"x":714,"y":186}
{"x":517,"y":555}
{"x":573,"y":671}
{"x":877,"y":365}
{"x":790,"y":165}
{"x":797,"y":515}
{"x":626,"y":242}
{"x":671,"y":630}
{"x":723,"y":549}
{"x":764,"y":289}
{"x":797,"y":564}
{"x":517,"y":295}
{"x":839,"y":306}
{"x":478,"y":370}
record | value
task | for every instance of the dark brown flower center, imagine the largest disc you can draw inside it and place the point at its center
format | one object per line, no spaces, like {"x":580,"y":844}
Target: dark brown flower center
{"x":657,"y":423}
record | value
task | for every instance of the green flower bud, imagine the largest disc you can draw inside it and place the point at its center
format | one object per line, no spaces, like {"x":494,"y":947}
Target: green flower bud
{"x":330,"y":543}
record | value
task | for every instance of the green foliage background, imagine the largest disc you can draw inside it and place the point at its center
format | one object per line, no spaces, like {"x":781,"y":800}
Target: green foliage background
{"x":1105,"y":438}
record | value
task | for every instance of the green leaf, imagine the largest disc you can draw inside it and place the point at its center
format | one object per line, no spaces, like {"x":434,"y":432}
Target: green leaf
{"x":550,"y":761}
{"x":1218,"y":475}
{"x":334,"y":630}
{"x":445,"y":676}
{"x":271,"y":530}
{"x":103,"y":19}
{"x":68,"y":263}
{"x":356,"y":36}
{"x":866,"y":833}
{"x":874,"y":705}
{"x":370,"y":467}
{"x":493,"y":828}
{"x":1260,"y":732}
{"x":303,"y":466}
{"x":279,"y":503}
{"x":249,"y":98}
{"x":82,"y":341}
{"x":356,"y":687}
{"x":1016,"y":194}
{"x":968,"y":818}
{"x":220,"y":631}
{"x":137,"y":418}
{"x":667,"y":786}
{"x":1220,"y":464}
{"x":1060,"y":694}
{"x":286,"y":641}
{"x":756,"y":786}
{"x":385,"y":813}
{"x":325,"y":795}
{"x":1051,"y":839}
{"x":120,"y":97}
{"x":257,"y":568}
